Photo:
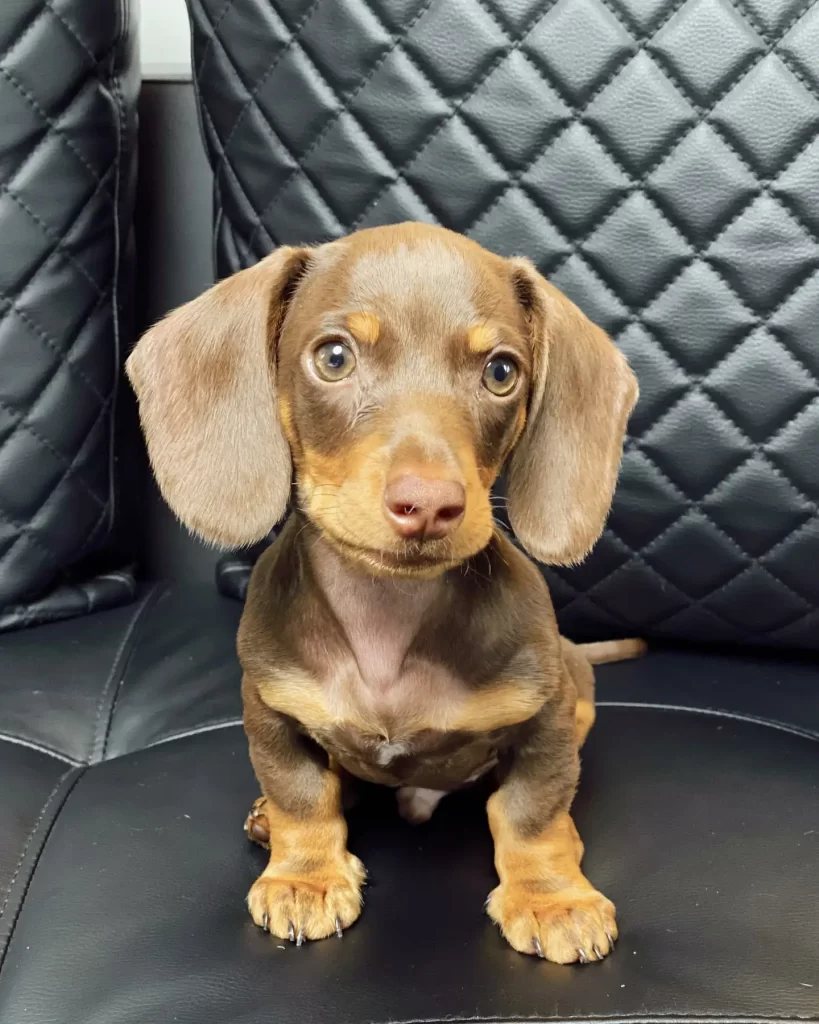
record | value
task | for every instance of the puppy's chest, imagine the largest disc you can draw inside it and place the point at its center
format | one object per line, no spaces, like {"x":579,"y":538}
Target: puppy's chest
{"x":376,"y":680}
{"x":404,"y":728}
{"x":395,"y":712}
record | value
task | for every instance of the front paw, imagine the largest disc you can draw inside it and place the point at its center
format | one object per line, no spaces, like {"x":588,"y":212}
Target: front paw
{"x":315,"y":905}
{"x":565,"y":926}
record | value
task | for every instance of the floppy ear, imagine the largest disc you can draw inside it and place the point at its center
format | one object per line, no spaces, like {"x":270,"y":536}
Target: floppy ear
{"x":562,"y":473}
{"x":204,"y":378}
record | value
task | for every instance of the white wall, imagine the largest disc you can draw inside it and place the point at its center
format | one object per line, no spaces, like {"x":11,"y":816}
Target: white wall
{"x":165,"y":39}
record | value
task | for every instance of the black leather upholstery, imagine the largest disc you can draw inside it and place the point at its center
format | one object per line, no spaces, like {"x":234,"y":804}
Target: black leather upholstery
{"x":659,"y":160}
{"x":124,"y":775}
{"x":698,"y":807}
{"x":68,"y":84}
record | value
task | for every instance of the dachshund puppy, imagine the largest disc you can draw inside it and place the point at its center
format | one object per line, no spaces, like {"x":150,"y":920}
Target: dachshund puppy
{"x":393,"y":632}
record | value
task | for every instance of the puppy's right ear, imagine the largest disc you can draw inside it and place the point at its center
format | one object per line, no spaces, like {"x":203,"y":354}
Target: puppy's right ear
{"x":205,"y":380}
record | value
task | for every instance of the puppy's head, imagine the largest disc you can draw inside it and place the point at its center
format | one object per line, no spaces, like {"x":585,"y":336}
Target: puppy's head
{"x":397,"y":370}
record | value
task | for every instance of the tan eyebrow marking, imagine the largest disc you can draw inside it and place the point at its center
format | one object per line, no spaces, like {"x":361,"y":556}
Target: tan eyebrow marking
{"x":481,"y":338}
{"x":364,"y":327}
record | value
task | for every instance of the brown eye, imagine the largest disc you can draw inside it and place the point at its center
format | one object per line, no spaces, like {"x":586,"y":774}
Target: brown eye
{"x":500,"y":375}
{"x":334,"y":360}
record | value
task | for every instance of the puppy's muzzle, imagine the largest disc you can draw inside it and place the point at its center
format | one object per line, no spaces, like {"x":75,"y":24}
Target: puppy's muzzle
{"x":419,"y":508}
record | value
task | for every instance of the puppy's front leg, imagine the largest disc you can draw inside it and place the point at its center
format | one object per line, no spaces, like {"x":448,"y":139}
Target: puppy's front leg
{"x":544,"y":904}
{"x":311,"y":887}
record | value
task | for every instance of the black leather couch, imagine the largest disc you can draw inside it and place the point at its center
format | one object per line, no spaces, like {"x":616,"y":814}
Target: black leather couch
{"x":660,"y":161}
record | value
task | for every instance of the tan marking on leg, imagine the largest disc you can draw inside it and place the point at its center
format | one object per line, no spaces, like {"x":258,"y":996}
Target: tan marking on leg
{"x":364,"y":327}
{"x":544,"y":904}
{"x":311,"y":888}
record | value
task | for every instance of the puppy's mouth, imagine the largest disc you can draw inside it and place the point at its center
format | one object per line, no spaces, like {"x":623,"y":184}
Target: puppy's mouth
{"x":414,"y":560}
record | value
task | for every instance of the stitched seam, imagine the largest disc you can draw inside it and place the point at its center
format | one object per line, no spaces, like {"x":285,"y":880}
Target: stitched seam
{"x":675,"y":140}
{"x":50,"y":232}
{"x":55,"y":129}
{"x":228,"y":6}
{"x":52,"y":344}
{"x":115,"y":283}
{"x":64,"y":459}
{"x":512,"y":44}
{"x":737,"y":716}
{"x":71,"y":29}
{"x":54,"y":488}
{"x":119,"y":668}
{"x":750,"y":17}
{"x":79,"y":772}
{"x":22,"y":287}
{"x":575,"y":117}
{"x":698,"y":381}
{"x":198,"y":730}
{"x":27,"y":843}
{"x":22,"y":35}
{"x":280,"y":141}
{"x":286,"y":48}
{"x":344,"y":107}
{"x":638,"y":556}
{"x":28,"y":534}
{"x":216,"y":142}
{"x":40,"y":748}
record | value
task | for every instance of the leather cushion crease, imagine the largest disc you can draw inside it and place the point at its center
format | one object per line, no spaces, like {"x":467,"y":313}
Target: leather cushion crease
{"x":658,"y":160}
{"x":68,"y":86}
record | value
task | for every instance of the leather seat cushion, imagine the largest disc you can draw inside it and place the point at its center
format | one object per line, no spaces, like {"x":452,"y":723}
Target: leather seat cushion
{"x":697,"y":806}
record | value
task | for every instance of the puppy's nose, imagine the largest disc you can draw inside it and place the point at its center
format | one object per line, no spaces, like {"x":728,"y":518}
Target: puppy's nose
{"x":423,"y":509}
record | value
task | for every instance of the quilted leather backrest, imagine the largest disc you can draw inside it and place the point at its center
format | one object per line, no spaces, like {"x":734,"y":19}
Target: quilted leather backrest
{"x":68,"y":82}
{"x":659,"y":160}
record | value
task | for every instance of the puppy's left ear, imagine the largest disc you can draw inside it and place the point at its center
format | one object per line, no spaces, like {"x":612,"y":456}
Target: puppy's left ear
{"x":205,"y":377}
{"x":562,"y":473}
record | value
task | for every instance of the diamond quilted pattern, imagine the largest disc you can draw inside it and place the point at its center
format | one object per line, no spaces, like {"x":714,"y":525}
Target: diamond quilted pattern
{"x":740,"y":504}
{"x":760,"y":386}
{"x":659,"y":160}
{"x":697,"y":318}
{"x":706,"y":44}
{"x":799,"y":48}
{"x":796,"y":449}
{"x":501,"y":111}
{"x":768,"y":114}
{"x":581,"y":45}
{"x":576,"y":180}
{"x":639,"y":113}
{"x":713,"y":562}
{"x":637,"y":251}
{"x":702,"y":183}
{"x":67,"y":91}
{"x":396,"y":85}
{"x":764,"y":253}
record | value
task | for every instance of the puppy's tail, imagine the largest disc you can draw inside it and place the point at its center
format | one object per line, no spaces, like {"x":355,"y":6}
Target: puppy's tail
{"x":613,"y":650}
